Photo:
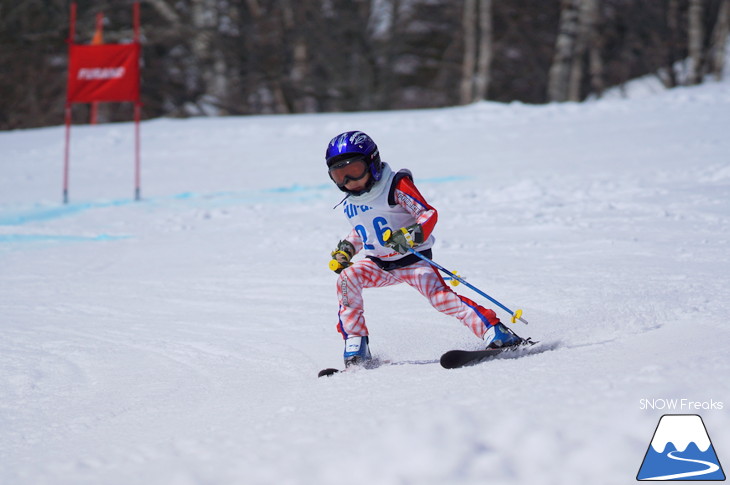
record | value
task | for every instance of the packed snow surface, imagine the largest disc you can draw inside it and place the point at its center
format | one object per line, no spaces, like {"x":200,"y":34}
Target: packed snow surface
{"x":176,"y":340}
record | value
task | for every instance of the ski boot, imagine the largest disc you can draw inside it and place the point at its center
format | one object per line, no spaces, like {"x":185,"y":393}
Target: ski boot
{"x":357,"y":351}
{"x":499,"y":336}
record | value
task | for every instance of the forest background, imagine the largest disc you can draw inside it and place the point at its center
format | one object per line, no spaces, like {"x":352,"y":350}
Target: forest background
{"x":239,"y":57}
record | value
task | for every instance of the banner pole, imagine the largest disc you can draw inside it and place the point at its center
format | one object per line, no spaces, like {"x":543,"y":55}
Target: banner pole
{"x":137,"y":114}
{"x":66,"y":153}
{"x":72,"y":24}
{"x":137,"y":162}
{"x":98,"y":39}
{"x":135,"y":13}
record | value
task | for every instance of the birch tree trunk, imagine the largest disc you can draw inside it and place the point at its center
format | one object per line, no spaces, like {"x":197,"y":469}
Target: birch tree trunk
{"x":484,"y":61}
{"x":388,"y":79}
{"x":209,"y":70}
{"x":469,"y":28}
{"x":720,"y":35}
{"x":587,"y":45}
{"x":477,"y":58}
{"x":595,"y":48}
{"x":559,"y":75}
{"x":672,"y":44}
{"x":696,"y":41}
{"x":167,"y":11}
{"x":299,"y":71}
{"x":580,"y":47}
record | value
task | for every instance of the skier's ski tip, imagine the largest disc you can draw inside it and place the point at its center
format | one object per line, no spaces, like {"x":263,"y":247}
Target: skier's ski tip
{"x":453,"y":359}
{"x":328,"y":372}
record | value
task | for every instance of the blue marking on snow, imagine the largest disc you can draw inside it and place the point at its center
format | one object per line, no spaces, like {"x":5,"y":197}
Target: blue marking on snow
{"x":298,"y":188}
{"x":443,"y":180}
{"x":283,"y":194}
{"x":32,"y":238}
{"x":50,"y":213}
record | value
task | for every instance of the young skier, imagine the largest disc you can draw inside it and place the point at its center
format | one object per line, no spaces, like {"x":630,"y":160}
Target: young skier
{"x":389,"y":216}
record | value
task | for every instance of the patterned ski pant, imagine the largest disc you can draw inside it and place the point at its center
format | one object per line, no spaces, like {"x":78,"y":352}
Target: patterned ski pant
{"x":421,"y":276}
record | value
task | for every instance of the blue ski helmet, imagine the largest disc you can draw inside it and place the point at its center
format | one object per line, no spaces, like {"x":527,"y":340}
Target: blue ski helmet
{"x":355,"y":145}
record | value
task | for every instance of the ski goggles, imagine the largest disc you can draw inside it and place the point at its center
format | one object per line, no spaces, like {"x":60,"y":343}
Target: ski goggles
{"x":347,"y":171}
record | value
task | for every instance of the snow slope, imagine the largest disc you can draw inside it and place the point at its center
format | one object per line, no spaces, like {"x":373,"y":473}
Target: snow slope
{"x":176,"y":340}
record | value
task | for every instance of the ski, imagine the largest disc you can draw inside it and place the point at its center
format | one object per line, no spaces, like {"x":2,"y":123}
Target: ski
{"x":454,"y":359}
{"x":328,"y":372}
{"x":374,"y":364}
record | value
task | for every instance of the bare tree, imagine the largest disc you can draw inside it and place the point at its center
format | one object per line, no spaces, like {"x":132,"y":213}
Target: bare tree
{"x":469,"y":27}
{"x":477,"y":58}
{"x":672,"y":45}
{"x":208,"y":73}
{"x":565,"y":47}
{"x":577,"y":66}
{"x":720,"y":35}
{"x":587,"y":47}
{"x":218,"y":57}
{"x":696,"y":41}
{"x":391,"y":38}
{"x":299,"y":75}
{"x":595,"y":47}
{"x":484,"y":61}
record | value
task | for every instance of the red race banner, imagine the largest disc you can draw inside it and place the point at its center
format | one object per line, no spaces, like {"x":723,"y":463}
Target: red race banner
{"x":107,"y":72}
{"x":103,"y":73}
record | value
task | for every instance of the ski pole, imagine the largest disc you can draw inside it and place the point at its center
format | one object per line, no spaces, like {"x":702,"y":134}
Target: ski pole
{"x":517,"y":315}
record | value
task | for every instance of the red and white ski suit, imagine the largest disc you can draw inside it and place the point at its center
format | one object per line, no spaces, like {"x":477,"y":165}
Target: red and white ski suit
{"x":392,"y":203}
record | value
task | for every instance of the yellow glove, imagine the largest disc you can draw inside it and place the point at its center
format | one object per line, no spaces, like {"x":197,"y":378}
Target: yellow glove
{"x":404,"y":238}
{"x":341,"y":256}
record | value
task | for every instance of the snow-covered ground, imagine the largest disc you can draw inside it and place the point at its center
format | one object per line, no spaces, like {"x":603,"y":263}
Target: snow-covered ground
{"x":176,"y":340}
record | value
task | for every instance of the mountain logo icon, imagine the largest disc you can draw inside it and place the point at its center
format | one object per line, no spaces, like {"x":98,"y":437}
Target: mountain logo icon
{"x":680,"y":450}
